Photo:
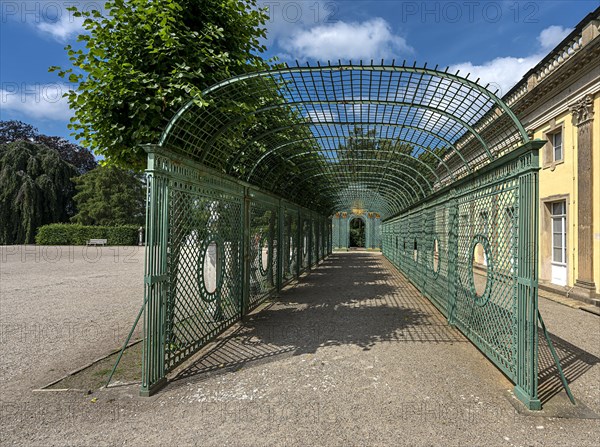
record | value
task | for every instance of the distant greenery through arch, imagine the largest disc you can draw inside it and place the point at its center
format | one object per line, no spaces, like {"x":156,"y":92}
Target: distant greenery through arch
{"x":357,"y":233}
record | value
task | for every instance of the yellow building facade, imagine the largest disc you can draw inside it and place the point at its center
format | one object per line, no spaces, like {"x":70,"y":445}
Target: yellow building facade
{"x":559,"y":101}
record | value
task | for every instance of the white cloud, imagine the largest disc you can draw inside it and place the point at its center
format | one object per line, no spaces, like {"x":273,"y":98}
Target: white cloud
{"x":288,"y":16}
{"x":63,"y":28}
{"x":551,"y":36}
{"x":38,"y":101}
{"x":504,"y":72}
{"x":372,"y":39}
{"x":501,"y":73}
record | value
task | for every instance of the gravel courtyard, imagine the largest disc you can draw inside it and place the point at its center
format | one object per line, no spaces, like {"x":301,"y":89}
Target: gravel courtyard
{"x":350,"y":355}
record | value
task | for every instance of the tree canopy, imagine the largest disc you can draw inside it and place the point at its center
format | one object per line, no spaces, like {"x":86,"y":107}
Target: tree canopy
{"x":109,"y":195}
{"x":141,"y":60}
{"x":82,"y":159}
{"x":35,"y":189}
{"x":365,"y":144}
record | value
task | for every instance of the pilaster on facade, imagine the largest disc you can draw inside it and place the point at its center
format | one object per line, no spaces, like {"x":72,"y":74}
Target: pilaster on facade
{"x":583,"y":118}
{"x":583,"y":111}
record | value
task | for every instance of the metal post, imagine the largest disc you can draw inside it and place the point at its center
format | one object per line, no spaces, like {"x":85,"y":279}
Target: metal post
{"x":526,"y":387}
{"x":453,"y":226}
{"x":300,"y":243}
{"x":280,"y":246}
{"x":246,"y":253}
{"x":155,"y":282}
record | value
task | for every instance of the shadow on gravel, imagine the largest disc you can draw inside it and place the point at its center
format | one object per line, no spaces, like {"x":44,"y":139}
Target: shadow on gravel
{"x":350,"y":299}
{"x":574,"y":361}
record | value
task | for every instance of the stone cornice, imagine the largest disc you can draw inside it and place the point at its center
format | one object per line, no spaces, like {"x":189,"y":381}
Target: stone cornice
{"x":575,"y":67}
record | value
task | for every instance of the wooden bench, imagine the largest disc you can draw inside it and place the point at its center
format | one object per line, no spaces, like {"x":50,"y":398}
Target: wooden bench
{"x":97,"y":242}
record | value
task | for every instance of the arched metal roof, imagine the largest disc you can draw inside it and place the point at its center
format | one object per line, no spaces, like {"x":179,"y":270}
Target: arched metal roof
{"x":337,"y":137}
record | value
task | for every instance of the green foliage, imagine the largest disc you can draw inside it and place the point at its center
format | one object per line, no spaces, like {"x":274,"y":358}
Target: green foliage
{"x":366,"y":145}
{"x":109,"y":195}
{"x":81,"y":158}
{"x":357,"y":233}
{"x":141,"y":60}
{"x":35,"y":189}
{"x":251,"y":137}
{"x":11,"y":131}
{"x":75,"y":234}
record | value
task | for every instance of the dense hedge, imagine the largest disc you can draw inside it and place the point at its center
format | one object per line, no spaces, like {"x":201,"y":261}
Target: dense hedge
{"x":75,"y":234}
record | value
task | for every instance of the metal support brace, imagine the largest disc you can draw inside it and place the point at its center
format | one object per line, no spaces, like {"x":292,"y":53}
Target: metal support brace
{"x":563,"y":379}
{"x":137,"y":319}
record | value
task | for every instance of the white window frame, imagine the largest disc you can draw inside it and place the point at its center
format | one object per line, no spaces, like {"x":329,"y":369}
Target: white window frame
{"x":555,"y":136}
{"x":562,"y":217}
{"x":560,"y":145}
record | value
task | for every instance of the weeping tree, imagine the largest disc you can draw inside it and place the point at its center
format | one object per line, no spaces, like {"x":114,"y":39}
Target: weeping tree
{"x":36,"y":189}
{"x":78,"y":156}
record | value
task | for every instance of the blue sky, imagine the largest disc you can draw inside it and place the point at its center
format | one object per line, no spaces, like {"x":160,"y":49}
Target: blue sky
{"x":495,"y":40}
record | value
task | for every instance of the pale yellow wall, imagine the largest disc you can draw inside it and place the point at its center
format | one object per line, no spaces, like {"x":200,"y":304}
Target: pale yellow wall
{"x":559,"y":181}
{"x":562,"y":180}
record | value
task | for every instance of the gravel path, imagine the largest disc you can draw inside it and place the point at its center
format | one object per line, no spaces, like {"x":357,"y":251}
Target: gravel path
{"x":351,"y":355}
{"x":62,"y":307}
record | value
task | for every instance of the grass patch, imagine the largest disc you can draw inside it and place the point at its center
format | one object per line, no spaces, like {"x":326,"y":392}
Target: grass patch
{"x":95,"y":376}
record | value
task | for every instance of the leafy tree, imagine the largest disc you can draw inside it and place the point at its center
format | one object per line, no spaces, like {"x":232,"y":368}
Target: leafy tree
{"x":357,"y":233}
{"x":141,"y":60}
{"x":35,"y":189}
{"x":16,"y":130}
{"x":365,"y":145}
{"x":81,"y":158}
{"x":109,"y":195}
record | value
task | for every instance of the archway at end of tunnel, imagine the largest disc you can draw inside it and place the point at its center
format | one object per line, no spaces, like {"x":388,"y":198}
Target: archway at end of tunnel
{"x":424,"y":163}
{"x":357,"y":233}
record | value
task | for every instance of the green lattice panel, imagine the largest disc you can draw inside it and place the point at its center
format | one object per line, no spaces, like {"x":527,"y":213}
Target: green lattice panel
{"x":335,"y":224}
{"x":305,"y":244}
{"x":314,"y":246}
{"x":263,"y":250}
{"x":290,"y":238}
{"x":487,"y":255}
{"x":204,"y":267}
{"x":435,"y":256}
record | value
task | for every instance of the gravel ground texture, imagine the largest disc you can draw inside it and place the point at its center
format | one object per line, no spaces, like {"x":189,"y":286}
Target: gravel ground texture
{"x":351,"y":355}
{"x":62,"y":307}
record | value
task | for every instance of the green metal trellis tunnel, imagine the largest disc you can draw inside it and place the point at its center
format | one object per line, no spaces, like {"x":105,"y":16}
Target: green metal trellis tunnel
{"x":257,"y":182}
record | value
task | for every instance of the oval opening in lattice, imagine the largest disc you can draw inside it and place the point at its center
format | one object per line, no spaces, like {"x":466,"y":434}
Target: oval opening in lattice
{"x":263,"y":253}
{"x":436,"y":256}
{"x":291,"y":250}
{"x":479,"y":269}
{"x":210,"y":268}
{"x":415,"y":251}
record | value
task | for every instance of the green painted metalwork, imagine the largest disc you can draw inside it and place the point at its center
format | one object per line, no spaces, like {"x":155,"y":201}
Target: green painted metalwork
{"x":256,"y":183}
{"x":495,"y":208}
{"x":203,"y":226}
{"x":295,"y":122}
{"x":563,"y":379}
{"x":341,"y":229}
